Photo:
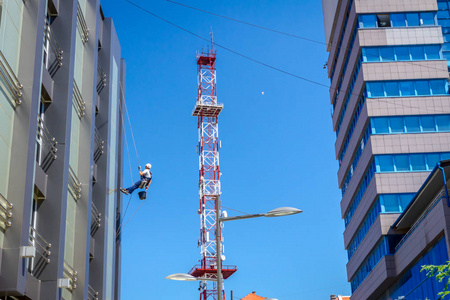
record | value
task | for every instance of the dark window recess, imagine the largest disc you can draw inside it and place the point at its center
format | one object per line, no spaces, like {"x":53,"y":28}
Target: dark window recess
{"x":383,"y":20}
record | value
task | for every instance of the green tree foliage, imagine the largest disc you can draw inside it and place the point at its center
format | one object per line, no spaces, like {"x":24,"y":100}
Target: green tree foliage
{"x":441,"y":272}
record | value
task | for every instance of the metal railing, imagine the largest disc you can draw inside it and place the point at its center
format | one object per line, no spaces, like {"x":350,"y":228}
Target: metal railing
{"x":71,"y":274}
{"x":50,"y":42}
{"x":44,"y":134}
{"x":92,"y":294}
{"x":100,"y":145}
{"x":10,"y":80}
{"x":36,"y":239}
{"x":74,"y":184}
{"x":96,"y":219}
{"x":101,"y":78}
{"x":5,"y":211}
{"x":421,"y":218}
{"x":79,"y":103}
{"x":82,"y":26}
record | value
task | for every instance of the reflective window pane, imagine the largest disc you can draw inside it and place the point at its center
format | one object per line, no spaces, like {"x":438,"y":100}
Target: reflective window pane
{"x":368,"y":21}
{"x":422,"y":88}
{"x":376,"y":89}
{"x":391,"y":203}
{"x":432,"y":51}
{"x":402,"y":163}
{"x":412,"y":124}
{"x":407,"y":88}
{"x":427,"y":19}
{"x":396,"y":124}
{"x":417,"y":53}
{"x":418,"y":162}
{"x":371,"y":54}
{"x":445,"y":155}
{"x":398,"y":20}
{"x":428,"y":123}
{"x":385,"y":163}
{"x":402,"y":53}
{"x":437,"y":87}
{"x":380,"y":125}
{"x":443,"y":122}
{"x":432,"y":160}
{"x":392,"y":89}
{"x":387,"y":54}
{"x":412,"y":19}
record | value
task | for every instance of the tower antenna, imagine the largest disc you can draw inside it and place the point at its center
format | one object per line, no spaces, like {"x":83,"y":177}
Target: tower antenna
{"x":207,"y":110}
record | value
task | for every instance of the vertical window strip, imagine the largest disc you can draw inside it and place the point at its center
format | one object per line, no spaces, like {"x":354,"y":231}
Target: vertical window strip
{"x":347,"y":15}
{"x":360,"y":192}
{"x":349,"y":94}
{"x":369,"y":264}
{"x":345,"y":65}
{"x":359,"y":151}
{"x":355,"y":118}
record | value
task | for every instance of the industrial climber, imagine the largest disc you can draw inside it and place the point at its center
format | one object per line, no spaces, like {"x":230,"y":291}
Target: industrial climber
{"x":144,"y":182}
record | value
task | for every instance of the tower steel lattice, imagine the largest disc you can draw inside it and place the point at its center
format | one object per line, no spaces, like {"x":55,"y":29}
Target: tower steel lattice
{"x":207,"y":109}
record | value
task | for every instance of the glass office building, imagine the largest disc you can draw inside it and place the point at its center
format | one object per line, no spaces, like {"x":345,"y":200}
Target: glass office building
{"x":388,"y":69}
{"x":62,"y":87}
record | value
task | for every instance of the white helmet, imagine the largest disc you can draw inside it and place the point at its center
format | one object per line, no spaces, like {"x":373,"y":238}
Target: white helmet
{"x":148,"y":166}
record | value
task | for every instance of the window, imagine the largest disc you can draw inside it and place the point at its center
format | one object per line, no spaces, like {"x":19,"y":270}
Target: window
{"x":443,"y":122}
{"x":417,"y":53}
{"x":383,"y":20}
{"x":427,"y":19}
{"x":402,"y":53}
{"x":367,"y":21}
{"x":402,"y":163}
{"x":428,"y":123}
{"x":396,"y":125}
{"x":380,"y":125}
{"x":412,"y":19}
{"x":384,"y":163}
{"x":412,"y":124}
{"x":392,"y":89}
{"x":407,"y":88}
{"x":371,"y":54}
{"x":387,"y":54}
{"x":376,"y":89}
{"x":418,"y":162}
{"x":398,"y":20}
{"x":432,"y":52}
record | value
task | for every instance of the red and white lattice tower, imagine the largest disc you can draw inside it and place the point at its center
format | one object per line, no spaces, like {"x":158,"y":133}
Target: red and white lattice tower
{"x":207,"y":110}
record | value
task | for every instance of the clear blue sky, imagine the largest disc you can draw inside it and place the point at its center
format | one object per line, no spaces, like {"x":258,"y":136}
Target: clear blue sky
{"x":277,"y":149}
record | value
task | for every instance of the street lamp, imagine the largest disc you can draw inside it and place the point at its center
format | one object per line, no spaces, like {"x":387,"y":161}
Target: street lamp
{"x":278,"y":212}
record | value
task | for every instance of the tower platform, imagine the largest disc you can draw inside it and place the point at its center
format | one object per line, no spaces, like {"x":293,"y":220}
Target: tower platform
{"x":198,"y":271}
{"x":207,"y":110}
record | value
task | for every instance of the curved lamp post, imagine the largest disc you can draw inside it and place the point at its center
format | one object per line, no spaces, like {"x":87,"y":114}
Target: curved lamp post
{"x":277,"y":212}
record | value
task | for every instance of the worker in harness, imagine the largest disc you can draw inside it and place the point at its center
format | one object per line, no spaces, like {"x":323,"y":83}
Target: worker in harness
{"x":146,"y":179}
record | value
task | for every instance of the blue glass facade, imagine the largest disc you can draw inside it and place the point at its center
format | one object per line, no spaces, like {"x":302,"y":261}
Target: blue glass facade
{"x":414,"y":284}
{"x":443,"y":19}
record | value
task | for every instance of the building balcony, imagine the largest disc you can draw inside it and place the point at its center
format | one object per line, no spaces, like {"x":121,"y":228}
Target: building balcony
{"x":5,"y":213}
{"x":78,"y":100}
{"x":71,"y":274}
{"x":99,"y":146}
{"x":101,"y":78}
{"x":95,"y":219}
{"x":42,"y":250}
{"x":45,"y":138}
{"x":82,"y":25}
{"x":10,"y":81}
{"x":53,"y":55}
{"x":74,"y":184}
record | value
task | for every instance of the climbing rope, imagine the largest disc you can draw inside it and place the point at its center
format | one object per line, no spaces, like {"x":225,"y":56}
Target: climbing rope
{"x":122,"y":100}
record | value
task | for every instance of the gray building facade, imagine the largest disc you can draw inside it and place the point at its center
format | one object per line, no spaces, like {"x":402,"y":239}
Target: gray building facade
{"x":388,"y":67}
{"x":62,"y":87}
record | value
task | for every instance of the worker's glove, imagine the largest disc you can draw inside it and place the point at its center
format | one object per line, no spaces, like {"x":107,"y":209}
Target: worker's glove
{"x":139,"y":168}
